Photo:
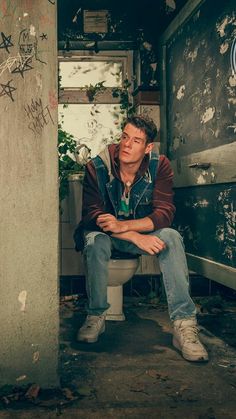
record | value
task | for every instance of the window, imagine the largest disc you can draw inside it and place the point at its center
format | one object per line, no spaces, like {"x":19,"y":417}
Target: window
{"x":94,"y":119}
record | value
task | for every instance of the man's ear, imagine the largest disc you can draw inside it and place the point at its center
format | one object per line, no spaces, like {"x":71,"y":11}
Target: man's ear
{"x":149,"y":148}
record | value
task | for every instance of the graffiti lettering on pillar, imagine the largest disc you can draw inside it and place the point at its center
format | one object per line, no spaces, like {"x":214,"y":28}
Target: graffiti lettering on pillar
{"x":38,"y":115}
{"x":7,"y":90}
{"x":6,"y":42}
{"x":28,"y":44}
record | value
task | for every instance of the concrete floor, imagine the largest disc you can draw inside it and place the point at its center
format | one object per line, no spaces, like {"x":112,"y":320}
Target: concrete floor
{"x":133,"y":371}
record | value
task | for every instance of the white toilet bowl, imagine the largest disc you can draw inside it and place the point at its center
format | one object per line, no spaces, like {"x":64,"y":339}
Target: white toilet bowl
{"x":121,"y":269}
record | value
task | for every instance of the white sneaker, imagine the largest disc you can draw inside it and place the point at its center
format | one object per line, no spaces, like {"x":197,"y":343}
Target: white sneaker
{"x":186,"y":340}
{"x":91,"y":329}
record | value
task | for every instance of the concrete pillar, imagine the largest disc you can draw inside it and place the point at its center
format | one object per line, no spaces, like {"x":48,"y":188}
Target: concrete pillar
{"x":28,"y":193}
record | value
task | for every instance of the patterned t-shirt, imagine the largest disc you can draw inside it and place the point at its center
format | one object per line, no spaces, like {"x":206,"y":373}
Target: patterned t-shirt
{"x":125,"y":211}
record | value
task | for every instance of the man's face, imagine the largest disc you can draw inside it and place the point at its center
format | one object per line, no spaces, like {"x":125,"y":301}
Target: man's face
{"x":133,"y":145}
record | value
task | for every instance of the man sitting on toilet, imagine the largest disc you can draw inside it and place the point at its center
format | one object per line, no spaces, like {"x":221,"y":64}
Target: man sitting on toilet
{"x":128,"y":206}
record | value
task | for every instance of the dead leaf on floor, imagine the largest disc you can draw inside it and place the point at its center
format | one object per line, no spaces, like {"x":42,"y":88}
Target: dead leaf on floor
{"x":68,"y":394}
{"x":32,"y":392}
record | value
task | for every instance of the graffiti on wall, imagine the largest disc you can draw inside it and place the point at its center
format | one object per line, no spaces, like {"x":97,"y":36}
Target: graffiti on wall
{"x":6,"y":42}
{"x":7,"y":90}
{"x":22,"y":62}
{"x":38,"y":115}
{"x":21,"y":53}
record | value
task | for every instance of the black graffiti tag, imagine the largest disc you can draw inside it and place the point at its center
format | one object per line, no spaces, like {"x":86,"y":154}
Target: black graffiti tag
{"x":7,"y":90}
{"x":6,"y":42}
{"x":39,"y":116}
{"x":23,"y":66}
{"x":44,"y":36}
{"x":28,"y":45}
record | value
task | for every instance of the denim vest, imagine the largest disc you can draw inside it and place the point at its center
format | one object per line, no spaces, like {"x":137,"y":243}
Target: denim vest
{"x":141,"y":192}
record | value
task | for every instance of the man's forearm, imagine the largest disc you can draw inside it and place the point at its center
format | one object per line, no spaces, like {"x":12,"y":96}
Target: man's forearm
{"x":128,"y":236}
{"x":141,"y":225}
{"x":108,"y":222}
{"x":148,"y":243}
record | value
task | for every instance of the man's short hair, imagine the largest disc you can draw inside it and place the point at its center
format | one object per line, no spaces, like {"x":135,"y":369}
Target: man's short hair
{"x":145,"y":124}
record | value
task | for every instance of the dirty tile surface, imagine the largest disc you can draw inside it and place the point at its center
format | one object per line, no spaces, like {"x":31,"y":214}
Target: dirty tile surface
{"x":133,"y":370}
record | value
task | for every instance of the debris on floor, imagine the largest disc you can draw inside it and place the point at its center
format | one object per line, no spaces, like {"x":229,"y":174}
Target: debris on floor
{"x":133,"y":370}
{"x":33,"y":396}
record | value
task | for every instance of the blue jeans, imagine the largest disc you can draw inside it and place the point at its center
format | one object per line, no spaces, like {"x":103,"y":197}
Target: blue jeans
{"x":172,"y":261}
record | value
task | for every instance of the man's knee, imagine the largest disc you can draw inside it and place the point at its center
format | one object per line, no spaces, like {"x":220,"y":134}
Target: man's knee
{"x":170,"y":237}
{"x":97,"y":242}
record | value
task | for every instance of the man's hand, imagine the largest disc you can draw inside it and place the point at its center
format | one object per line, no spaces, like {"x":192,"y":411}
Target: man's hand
{"x":108,"y":222}
{"x":150,"y":244}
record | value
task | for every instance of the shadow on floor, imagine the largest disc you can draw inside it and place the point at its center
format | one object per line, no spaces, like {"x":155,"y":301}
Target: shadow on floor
{"x":125,"y":337}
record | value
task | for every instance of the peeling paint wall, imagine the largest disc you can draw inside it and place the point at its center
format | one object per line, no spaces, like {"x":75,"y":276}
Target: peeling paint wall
{"x":202,"y":104}
{"x":29,"y":193}
{"x":201,"y":133}
{"x":206,"y":217}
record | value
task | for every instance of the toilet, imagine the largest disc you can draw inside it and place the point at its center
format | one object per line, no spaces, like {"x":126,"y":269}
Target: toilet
{"x":122,"y":266}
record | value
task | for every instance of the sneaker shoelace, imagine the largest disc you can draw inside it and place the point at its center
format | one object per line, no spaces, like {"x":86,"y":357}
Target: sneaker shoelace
{"x":93,"y":322}
{"x":190,"y":333}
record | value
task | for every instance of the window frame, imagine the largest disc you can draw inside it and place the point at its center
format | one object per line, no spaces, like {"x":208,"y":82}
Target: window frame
{"x":75,"y":95}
